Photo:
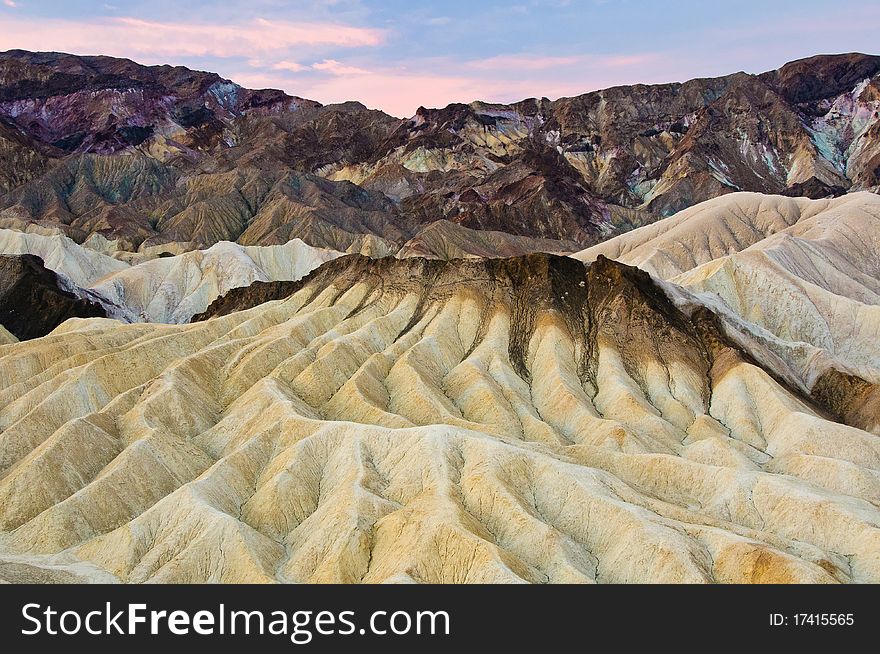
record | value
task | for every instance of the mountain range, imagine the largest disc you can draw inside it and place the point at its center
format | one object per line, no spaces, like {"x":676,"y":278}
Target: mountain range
{"x":165,"y":159}
{"x":626,"y":337}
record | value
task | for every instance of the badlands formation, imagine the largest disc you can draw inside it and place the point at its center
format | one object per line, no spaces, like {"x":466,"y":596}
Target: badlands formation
{"x":5,"y":337}
{"x":159,"y":158}
{"x":245,"y":337}
{"x":34,"y":300}
{"x":165,"y":289}
{"x":799,"y":278}
{"x":405,"y":420}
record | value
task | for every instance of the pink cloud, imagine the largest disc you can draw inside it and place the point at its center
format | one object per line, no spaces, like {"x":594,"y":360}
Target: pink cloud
{"x":337,"y":68}
{"x":505,"y":78}
{"x":401,"y":90}
{"x":10,"y":3}
{"x":400,"y":93}
{"x":393,"y":91}
{"x":396,"y":93}
{"x":132,"y":37}
{"x":272,"y":54}
{"x":291,"y":66}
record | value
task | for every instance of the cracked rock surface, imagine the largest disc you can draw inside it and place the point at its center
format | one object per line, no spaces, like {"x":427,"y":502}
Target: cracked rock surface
{"x":532,"y":419}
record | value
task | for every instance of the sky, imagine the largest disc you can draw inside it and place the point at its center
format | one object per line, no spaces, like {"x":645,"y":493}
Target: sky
{"x":396,"y":55}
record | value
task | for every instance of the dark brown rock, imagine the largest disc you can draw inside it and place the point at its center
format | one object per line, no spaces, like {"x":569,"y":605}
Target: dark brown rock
{"x":578,"y":169}
{"x":850,"y":398}
{"x":32,"y":302}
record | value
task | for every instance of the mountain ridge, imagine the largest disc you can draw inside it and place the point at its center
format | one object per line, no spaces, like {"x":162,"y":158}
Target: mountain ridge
{"x":797,"y":278}
{"x":213,"y":161}
{"x":158,"y":289}
{"x":532,"y":419}
{"x":34,"y":300}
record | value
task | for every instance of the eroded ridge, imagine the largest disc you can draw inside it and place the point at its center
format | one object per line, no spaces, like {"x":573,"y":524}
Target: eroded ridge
{"x":511,"y":420}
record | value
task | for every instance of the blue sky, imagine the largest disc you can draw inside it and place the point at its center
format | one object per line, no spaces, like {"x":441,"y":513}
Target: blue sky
{"x":396,"y":55}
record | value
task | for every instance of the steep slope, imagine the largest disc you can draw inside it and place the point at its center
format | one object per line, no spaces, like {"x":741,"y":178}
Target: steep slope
{"x":801,"y":276}
{"x":105,"y":104}
{"x":5,"y":337}
{"x":82,"y":266}
{"x":723,"y":226}
{"x":159,"y":158}
{"x":173,"y":289}
{"x":132,"y":203}
{"x":33,"y":300}
{"x":21,"y":159}
{"x":165,"y":289}
{"x":500,"y":420}
{"x":446,"y":240}
{"x":809,"y":128}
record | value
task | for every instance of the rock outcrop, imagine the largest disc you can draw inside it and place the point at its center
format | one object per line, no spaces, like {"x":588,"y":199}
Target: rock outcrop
{"x":485,"y":414}
{"x":167,"y":289}
{"x":144,"y":158}
{"x":799,"y":278}
{"x":34,"y":301}
{"x":6,"y":338}
{"x":502,"y":420}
